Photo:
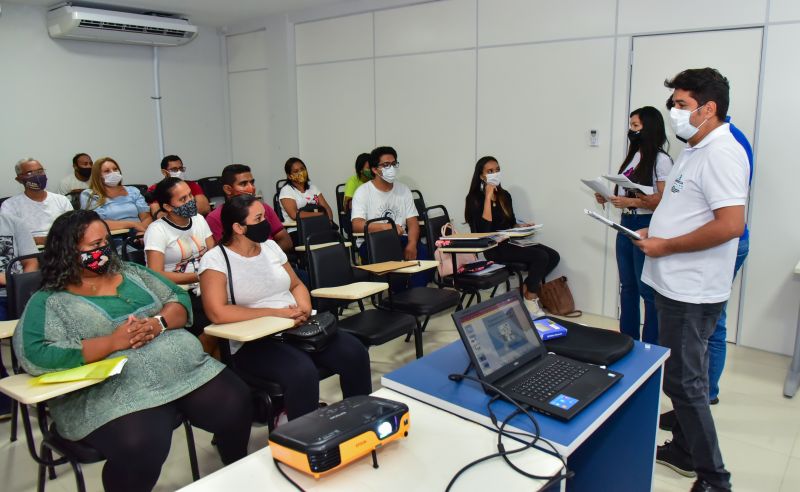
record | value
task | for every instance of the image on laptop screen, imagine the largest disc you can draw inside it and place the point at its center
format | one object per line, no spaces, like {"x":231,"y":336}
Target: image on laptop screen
{"x":499,"y":335}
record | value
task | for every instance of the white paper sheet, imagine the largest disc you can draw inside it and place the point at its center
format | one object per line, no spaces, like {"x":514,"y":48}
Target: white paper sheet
{"x":623,"y":181}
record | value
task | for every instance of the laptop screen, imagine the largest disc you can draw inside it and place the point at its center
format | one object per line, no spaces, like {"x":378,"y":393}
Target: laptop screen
{"x":499,"y":334}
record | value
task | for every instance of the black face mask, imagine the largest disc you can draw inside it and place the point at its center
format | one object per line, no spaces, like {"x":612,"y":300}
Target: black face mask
{"x":85,"y":172}
{"x":634,"y":137}
{"x":98,"y":260}
{"x":258,"y":233}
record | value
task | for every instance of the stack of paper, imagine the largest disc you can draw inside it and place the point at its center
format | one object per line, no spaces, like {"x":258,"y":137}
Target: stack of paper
{"x":623,"y":181}
{"x":598,"y":186}
{"x":97,"y":370}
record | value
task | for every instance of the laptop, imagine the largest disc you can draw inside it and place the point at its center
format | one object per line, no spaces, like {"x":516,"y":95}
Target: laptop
{"x":507,"y":352}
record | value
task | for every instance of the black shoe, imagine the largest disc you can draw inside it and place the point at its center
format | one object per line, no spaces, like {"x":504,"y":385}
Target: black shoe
{"x":714,"y":401}
{"x":669,"y":456}
{"x":701,"y":485}
{"x":667,"y":421}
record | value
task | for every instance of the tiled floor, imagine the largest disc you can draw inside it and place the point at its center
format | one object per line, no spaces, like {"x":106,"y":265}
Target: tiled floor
{"x":759,"y":429}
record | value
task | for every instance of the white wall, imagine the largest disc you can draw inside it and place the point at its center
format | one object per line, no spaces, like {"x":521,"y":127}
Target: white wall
{"x":64,"y":97}
{"x":446,"y":82}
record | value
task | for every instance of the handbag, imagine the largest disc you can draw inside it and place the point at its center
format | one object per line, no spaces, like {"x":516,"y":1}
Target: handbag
{"x":445,"y":260}
{"x":557,"y":298}
{"x":312,"y":336}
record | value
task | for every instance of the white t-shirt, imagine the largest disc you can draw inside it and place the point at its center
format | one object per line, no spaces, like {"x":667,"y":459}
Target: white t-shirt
{"x":258,"y":282}
{"x":711,"y":175}
{"x":38,"y":216}
{"x":660,"y":172}
{"x":70,"y":182}
{"x":301,"y":198}
{"x":15,"y":240}
{"x":182,"y":246}
{"x":371,"y":203}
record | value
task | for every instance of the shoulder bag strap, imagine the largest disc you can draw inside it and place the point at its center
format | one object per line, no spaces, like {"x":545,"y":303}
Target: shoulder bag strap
{"x":230,"y":278}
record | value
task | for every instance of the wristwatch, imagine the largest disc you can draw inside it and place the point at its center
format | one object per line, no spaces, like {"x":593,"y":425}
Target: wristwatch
{"x":162,"y":321}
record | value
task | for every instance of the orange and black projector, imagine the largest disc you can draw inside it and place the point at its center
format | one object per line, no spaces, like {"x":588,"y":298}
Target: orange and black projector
{"x":334,"y":436}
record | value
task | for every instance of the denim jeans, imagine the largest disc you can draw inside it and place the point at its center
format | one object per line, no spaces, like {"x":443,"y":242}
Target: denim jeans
{"x":630,"y":261}
{"x":685,"y":329}
{"x":717,"y":346}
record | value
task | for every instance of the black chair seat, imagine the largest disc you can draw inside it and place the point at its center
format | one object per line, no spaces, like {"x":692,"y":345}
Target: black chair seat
{"x":375,"y":326}
{"x":479,"y":282}
{"x":360,"y":275}
{"x":80,"y":451}
{"x":422,"y":301}
{"x":516,"y":266}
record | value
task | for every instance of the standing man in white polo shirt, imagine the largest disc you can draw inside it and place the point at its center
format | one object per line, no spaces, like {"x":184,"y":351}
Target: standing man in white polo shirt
{"x":691,"y":248}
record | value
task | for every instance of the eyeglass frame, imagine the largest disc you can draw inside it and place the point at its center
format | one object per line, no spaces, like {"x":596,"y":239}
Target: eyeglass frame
{"x":386,"y":165}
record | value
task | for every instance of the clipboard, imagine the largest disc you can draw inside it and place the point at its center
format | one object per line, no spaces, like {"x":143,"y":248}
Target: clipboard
{"x":624,"y":230}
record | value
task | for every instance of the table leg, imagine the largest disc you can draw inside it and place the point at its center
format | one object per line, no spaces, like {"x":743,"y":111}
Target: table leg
{"x":793,"y":377}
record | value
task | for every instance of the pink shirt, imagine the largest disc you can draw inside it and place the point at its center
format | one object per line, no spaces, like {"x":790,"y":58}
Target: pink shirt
{"x":214,"y":220}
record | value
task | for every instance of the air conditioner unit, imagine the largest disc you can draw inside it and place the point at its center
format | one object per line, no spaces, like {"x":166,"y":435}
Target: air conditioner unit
{"x":110,"y":26}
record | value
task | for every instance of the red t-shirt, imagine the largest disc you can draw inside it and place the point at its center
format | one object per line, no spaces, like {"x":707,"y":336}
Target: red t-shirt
{"x":214,"y":220}
{"x":193,"y":187}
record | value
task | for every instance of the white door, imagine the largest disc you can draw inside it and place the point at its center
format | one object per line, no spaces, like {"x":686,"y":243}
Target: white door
{"x":736,"y":53}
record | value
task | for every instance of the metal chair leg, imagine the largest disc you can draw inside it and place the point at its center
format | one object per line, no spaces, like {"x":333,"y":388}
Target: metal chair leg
{"x":14,"y":420}
{"x":192,"y":450}
{"x":79,"y":481}
{"x":418,"y":340}
{"x":40,"y":480}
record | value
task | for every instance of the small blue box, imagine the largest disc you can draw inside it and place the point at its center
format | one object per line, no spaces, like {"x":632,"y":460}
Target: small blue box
{"x":549,"y":329}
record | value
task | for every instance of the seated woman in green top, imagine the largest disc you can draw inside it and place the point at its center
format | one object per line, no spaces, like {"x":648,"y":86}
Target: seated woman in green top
{"x":362,"y":175}
{"x":92,"y":307}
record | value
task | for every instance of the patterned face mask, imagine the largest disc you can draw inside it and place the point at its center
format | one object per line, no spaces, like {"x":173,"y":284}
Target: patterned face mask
{"x":299,"y":176}
{"x":187,"y":210}
{"x":97,"y":260}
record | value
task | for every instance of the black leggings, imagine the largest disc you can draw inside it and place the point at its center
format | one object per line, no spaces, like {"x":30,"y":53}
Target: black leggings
{"x":136,"y":445}
{"x":540,"y":259}
{"x":296,"y":371}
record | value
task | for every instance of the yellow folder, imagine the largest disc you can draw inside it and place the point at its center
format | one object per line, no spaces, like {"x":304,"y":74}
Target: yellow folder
{"x":101,"y":369}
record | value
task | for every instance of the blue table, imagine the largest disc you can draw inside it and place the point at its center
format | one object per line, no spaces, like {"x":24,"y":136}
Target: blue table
{"x":610,"y":445}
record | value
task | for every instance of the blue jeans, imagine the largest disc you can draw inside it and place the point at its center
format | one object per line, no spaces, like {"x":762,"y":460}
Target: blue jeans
{"x":630,"y":261}
{"x":717,"y":346}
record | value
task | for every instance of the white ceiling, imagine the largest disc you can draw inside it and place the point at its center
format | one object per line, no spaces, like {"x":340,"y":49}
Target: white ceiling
{"x":215,"y":13}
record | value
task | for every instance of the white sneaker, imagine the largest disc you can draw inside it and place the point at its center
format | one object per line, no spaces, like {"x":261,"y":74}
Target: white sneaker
{"x":534,"y":307}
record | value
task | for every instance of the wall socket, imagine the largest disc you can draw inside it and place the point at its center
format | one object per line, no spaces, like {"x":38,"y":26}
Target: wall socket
{"x":594,"y":139}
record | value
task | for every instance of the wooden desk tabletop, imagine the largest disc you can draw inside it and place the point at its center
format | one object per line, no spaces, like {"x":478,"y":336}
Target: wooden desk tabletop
{"x":347,"y":244}
{"x":353,"y":292}
{"x":246,"y":331}
{"x":7,"y":328}
{"x":423,"y":265}
{"x":290,"y":223}
{"x":448,"y":249}
{"x":19,"y":387}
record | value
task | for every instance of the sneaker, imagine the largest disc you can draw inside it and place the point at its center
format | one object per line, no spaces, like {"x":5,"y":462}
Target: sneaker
{"x":713,"y":401}
{"x":671,"y":457}
{"x":701,"y":485}
{"x":667,"y":421}
{"x":535,"y":307}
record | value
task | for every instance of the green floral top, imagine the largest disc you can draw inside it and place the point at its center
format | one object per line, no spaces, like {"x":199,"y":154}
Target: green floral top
{"x":48,"y":338}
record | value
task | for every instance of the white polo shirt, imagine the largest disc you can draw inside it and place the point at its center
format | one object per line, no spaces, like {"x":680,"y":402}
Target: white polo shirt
{"x":711,"y":175}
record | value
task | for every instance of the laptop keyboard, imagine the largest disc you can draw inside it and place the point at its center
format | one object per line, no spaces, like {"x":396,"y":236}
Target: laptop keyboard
{"x":546,"y":381}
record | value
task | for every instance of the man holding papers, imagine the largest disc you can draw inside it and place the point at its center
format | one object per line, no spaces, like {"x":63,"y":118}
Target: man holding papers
{"x":691,"y":249}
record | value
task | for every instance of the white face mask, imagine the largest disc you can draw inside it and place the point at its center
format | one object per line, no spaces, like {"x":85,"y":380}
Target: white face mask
{"x":177,"y":174}
{"x":389,"y":174}
{"x":679,"y":119}
{"x":493,"y":178}
{"x":113,"y":178}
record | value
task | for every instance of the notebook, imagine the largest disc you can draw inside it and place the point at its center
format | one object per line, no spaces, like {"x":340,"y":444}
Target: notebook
{"x":507,"y":352}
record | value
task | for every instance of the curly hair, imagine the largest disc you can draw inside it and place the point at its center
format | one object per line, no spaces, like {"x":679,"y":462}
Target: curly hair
{"x":60,"y":266}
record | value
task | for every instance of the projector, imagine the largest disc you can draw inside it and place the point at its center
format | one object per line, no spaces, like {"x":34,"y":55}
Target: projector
{"x":330,"y":438}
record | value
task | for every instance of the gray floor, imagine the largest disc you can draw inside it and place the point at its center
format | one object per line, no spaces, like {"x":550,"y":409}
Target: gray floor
{"x":759,"y":429}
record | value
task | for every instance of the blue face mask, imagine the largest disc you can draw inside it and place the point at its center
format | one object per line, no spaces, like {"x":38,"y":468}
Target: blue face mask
{"x":187,"y":210}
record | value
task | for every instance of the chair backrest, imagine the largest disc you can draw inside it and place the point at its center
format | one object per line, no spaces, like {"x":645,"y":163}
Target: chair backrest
{"x":142,"y":188}
{"x":318,"y":226}
{"x":344,"y":215}
{"x":383,"y":245}
{"x":419,"y":202}
{"x":328,"y":267}
{"x":434,"y":223}
{"x":21,"y":286}
{"x":75,"y":198}
{"x":212,"y":187}
{"x":280,"y":184}
{"x":276,"y":205}
{"x":132,"y":250}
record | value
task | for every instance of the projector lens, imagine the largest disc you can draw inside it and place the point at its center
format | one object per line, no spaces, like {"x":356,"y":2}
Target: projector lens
{"x":384,"y":429}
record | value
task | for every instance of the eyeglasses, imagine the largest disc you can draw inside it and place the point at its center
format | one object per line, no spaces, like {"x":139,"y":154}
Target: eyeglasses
{"x":35,"y":172}
{"x":386,"y":165}
{"x":176,"y":169}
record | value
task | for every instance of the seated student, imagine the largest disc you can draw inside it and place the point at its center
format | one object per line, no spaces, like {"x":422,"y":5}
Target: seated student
{"x":79,"y":178}
{"x":238,"y":180}
{"x":488,"y":208}
{"x":362,"y":175}
{"x":175,"y":242}
{"x":122,"y":207}
{"x":172,"y":167}
{"x":35,"y":206}
{"x":15,"y":240}
{"x":265,"y":285}
{"x":91,"y":307}
{"x":300,"y":197}
{"x":385,"y":197}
